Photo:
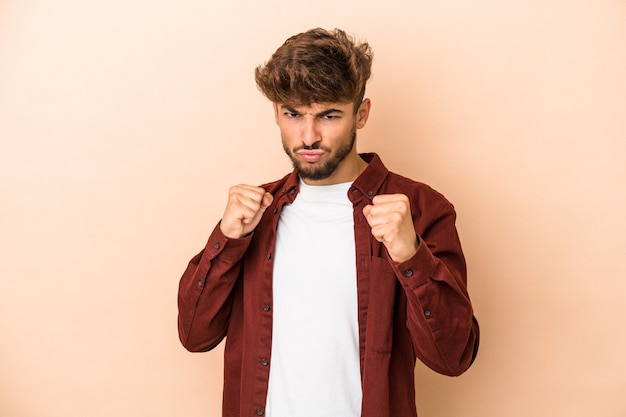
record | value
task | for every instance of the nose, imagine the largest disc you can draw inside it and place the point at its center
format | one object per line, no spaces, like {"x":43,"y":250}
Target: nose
{"x":309,"y":134}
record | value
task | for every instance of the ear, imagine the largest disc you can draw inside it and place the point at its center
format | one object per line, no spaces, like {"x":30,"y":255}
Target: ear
{"x":363,"y":112}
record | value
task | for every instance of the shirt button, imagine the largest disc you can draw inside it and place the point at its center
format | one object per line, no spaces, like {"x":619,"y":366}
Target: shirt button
{"x":427,"y":312}
{"x":269,"y":255}
{"x":370,"y":193}
{"x":275,"y":210}
{"x":292,"y":191}
{"x":266,"y":307}
{"x":408,"y":273}
{"x":217,"y":245}
{"x":200,"y":283}
{"x":259,"y":411}
{"x":264,"y":362}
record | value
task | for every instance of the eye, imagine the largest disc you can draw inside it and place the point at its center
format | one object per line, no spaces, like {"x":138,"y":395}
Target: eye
{"x":291,"y":114}
{"x":330,"y":117}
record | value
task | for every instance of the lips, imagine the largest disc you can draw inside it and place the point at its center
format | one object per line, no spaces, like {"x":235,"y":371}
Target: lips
{"x":310,"y":156}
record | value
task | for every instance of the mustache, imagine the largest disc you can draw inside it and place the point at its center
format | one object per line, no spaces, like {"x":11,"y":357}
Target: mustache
{"x":314,"y":146}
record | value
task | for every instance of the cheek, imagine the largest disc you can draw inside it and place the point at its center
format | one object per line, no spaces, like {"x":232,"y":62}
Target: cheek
{"x":286,"y":137}
{"x":342,"y":135}
{"x":291,"y":133}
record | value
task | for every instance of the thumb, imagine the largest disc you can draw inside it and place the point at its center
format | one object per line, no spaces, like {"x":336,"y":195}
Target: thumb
{"x":266,"y":201}
{"x":366,"y":210}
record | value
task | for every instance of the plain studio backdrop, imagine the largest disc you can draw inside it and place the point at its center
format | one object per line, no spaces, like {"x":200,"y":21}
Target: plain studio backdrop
{"x":123,"y":123}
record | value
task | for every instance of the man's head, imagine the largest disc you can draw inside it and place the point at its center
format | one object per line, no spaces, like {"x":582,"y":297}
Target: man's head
{"x":317,"y":66}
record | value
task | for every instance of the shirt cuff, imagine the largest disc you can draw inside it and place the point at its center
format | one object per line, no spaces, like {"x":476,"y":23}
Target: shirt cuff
{"x":229,"y":249}
{"x":415,"y":271}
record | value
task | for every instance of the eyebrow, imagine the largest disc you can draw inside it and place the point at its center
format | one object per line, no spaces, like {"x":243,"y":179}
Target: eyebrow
{"x":320,"y":114}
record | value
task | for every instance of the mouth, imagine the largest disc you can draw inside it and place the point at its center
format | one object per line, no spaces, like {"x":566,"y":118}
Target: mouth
{"x":310,"y":155}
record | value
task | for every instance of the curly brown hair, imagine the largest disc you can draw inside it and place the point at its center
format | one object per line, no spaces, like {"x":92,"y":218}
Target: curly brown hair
{"x":317,"y":66}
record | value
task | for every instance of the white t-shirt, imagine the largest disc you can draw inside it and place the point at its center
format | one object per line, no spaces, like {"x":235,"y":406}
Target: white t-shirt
{"x":315,"y":366}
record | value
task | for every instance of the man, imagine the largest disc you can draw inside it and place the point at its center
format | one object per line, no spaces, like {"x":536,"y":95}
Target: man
{"x":328,"y":283}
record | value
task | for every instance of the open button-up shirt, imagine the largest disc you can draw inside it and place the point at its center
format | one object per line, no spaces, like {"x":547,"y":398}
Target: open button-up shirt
{"x":415,"y":309}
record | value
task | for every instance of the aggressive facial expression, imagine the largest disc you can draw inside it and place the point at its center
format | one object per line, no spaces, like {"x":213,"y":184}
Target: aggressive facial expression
{"x":319,"y":139}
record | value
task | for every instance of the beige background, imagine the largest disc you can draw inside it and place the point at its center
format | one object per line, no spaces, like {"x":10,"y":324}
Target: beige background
{"x":123,"y":123}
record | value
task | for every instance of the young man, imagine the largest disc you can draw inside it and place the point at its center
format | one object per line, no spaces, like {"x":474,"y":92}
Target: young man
{"x":328,"y":283}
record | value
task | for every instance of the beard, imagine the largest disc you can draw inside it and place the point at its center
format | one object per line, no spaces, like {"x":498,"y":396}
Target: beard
{"x":326,"y":169}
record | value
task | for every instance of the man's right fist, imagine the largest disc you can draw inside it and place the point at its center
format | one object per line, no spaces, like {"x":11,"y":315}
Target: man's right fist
{"x":246,"y":204}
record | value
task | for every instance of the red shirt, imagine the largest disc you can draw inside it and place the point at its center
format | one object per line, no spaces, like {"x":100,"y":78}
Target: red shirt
{"x":416,"y":309}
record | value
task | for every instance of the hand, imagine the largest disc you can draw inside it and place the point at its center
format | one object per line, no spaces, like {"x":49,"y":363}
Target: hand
{"x":246,"y":205}
{"x":389,"y":216}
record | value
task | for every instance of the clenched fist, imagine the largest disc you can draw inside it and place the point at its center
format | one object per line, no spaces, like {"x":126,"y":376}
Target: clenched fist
{"x":246,"y":205}
{"x":389,"y":216}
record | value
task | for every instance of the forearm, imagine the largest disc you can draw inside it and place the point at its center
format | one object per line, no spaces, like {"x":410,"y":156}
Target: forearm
{"x":440,"y":317}
{"x":205,"y":292}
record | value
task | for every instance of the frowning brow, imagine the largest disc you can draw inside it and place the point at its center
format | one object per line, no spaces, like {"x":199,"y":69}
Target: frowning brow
{"x":320,"y":114}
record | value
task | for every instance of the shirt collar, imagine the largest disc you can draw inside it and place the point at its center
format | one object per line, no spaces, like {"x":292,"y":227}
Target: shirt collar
{"x":372,"y":178}
{"x":368,"y":183}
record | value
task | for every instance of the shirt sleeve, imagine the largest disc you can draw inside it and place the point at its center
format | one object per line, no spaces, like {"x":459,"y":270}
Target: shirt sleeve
{"x":440,"y":316}
{"x":206,"y":291}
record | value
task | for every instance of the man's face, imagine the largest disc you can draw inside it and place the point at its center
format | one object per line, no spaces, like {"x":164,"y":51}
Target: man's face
{"x":319,"y":139}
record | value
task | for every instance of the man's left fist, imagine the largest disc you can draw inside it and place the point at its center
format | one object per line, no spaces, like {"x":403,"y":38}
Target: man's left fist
{"x":389,"y":216}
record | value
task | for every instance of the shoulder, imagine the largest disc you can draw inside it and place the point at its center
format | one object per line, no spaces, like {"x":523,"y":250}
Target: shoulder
{"x":424,"y":199}
{"x":407,"y":185}
{"x":422,"y":196}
